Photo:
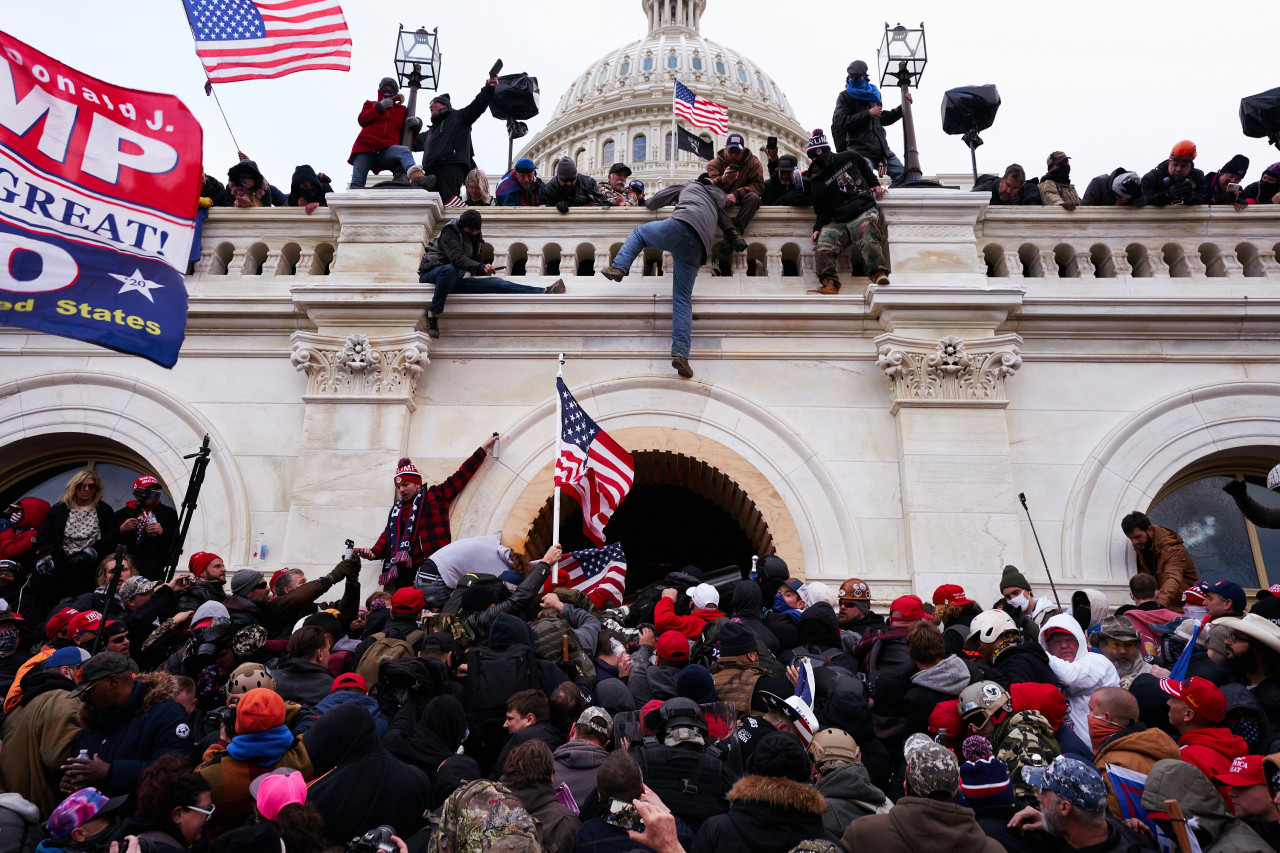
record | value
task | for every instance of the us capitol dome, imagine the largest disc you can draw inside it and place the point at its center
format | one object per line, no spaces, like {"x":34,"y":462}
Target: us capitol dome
{"x":620,"y":108}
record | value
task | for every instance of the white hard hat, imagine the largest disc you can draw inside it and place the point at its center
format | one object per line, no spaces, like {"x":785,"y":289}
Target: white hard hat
{"x":988,"y":625}
{"x":1273,"y":479}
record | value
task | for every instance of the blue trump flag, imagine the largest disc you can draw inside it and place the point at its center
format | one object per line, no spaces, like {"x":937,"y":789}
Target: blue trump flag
{"x":99,"y":188}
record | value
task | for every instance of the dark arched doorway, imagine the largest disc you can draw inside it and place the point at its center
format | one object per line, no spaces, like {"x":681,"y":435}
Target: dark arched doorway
{"x":680,"y":511}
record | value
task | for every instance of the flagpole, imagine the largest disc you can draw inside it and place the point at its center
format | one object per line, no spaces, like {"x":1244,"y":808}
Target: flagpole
{"x":555,"y":449}
{"x":675,"y":140}
{"x":208,"y":84}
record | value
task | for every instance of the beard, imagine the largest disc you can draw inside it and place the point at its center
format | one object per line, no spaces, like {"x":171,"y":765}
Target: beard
{"x":1243,"y":664}
{"x":1053,"y":823}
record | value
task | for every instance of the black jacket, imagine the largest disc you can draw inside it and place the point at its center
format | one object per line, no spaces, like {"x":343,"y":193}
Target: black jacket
{"x":585,"y":192}
{"x":1100,"y":194}
{"x":765,"y":813}
{"x":1155,"y":192}
{"x":853,"y":127}
{"x":426,"y":740}
{"x":544,"y":732}
{"x":272,"y":197}
{"x":744,"y":604}
{"x":1030,"y":193}
{"x":78,"y":572}
{"x":447,"y":141}
{"x":1026,"y":662}
{"x":215,"y":191}
{"x":149,"y":553}
{"x":841,"y":188}
{"x":129,"y":738}
{"x":319,"y":189}
{"x":453,"y":246}
{"x":777,"y":194}
{"x":200,"y":592}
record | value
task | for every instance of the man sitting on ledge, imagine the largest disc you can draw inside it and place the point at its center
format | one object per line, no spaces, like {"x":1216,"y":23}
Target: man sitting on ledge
{"x":455,"y":253}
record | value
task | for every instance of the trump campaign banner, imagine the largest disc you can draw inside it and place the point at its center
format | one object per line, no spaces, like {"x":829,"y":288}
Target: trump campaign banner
{"x":99,"y":187}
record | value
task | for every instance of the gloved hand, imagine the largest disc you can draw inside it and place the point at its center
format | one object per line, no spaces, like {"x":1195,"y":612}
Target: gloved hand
{"x":345,"y":569}
{"x":1236,"y":488}
{"x":386,"y":104}
{"x":562,"y":206}
{"x":44,"y":566}
{"x":413,"y":124}
{"x":91,"y":554}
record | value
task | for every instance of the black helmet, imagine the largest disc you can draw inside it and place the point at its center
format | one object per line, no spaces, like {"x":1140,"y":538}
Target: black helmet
{"x":772,"y":567}
{"x":678,"y":720}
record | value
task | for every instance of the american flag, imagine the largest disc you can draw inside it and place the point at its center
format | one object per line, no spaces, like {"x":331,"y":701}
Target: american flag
{"x":699,"y":111}
{"x":592,"y":464}
{"x":455,"y":202}
{"x":254,"y":40}
{"x":599,"y":573}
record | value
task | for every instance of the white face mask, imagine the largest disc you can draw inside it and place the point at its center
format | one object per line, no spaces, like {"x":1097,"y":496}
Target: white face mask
{"x":1020,"y":601}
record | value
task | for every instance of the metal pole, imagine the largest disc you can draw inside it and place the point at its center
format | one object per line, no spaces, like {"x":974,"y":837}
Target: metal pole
{"x":194,"y":483}
{"x":1023,"y":498}
{"x":911,"y":157}
{"x":100,"y":641}
{"x":973,"y":157}
{"x":411,"y":106}
{"x":555,"y":452}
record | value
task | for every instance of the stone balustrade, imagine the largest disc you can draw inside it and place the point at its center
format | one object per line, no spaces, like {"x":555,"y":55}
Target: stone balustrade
{"x":1112,"y":242}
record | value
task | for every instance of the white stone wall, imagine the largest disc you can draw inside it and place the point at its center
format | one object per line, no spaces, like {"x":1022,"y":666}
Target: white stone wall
{"x":893,"y":452}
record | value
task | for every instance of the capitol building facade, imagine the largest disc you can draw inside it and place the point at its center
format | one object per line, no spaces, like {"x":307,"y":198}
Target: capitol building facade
{"x":1094,"y":362}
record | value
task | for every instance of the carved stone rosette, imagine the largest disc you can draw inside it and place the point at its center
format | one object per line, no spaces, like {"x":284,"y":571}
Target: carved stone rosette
{"x":359,"y":370}
{"x":949,"y":371}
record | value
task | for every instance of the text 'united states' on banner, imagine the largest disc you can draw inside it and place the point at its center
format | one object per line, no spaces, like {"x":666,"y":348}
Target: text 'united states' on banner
{"x":99,"y":186}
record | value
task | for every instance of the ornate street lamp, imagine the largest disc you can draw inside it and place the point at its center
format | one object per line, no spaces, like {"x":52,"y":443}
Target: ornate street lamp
{"x":417,"y":67}
{"x":902,"y":56}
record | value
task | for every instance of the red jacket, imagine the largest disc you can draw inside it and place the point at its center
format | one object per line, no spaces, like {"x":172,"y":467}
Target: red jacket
{"x":19,"y":543}
{"x":378,"y":129}
{"x":665,"y":618}
{"x":1212,"y":750}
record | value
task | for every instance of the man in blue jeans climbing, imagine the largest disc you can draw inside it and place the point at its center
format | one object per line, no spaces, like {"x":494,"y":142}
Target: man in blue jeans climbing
{"x":687,"y":235}
{"x":454,"y":254}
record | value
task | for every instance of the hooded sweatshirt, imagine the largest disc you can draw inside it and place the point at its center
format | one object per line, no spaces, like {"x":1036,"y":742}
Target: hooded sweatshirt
{"x":576,"y":765}
{"x":937,"y":684}
{"x":1079,"y":678}
{"x":1089,"y":606}
{"x":849,"y":795}
{"x":428,"y":741}
{"x":1215,"y":827}
{"x":1212,"y":749}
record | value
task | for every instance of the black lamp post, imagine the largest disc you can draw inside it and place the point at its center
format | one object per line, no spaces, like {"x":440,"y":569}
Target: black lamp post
{"x":417,"y":67}
{"x":902,"y":56}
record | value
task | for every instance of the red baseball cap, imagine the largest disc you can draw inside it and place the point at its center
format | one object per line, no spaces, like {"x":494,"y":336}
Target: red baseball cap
{"x":1246,"y":770}
{"x":1200,"y":694}
{"x":672,"y":646}
{"x":908,"y":608}
{"x":275,"y":577}
{"x":950,"y":593}
{"x":59,"y":620}
{"x":89,"y":620}
{"x":350,"y":679}
{"x":408,"y":600}
{"x":146,"y":481}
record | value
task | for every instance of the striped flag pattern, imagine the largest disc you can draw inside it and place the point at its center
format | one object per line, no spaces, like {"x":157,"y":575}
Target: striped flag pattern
{"x":699,"y":111}
{"x":259,"y":39}
{"x":598,"y":573}
{"x":455,"y":202}
{"x":591,"y":464}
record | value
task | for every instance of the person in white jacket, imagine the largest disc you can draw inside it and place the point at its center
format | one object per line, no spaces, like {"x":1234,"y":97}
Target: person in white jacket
{"x":1079,"y":671}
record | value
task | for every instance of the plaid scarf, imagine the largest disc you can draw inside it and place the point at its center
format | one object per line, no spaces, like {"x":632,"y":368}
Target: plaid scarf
{"x":402,"y":529}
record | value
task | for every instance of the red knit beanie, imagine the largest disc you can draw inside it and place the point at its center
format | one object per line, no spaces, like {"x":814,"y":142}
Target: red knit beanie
{"x":200,"y":561}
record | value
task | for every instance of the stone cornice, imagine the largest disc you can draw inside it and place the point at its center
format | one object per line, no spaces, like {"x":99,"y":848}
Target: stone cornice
{"x":356,"y":369}
{"x":948,"y":372}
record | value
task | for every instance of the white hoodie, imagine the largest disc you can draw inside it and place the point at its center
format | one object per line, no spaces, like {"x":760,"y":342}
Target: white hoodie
{"x":1079,"y":678}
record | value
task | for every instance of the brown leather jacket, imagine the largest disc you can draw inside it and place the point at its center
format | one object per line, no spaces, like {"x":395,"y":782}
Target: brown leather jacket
{"x":735,"y":680}
{"x":1174,"y":569}
{"x":750,"y":174}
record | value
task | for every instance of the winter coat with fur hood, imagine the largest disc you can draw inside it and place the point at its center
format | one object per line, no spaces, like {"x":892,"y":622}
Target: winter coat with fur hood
{"x":766,"y":813}
{"x":1080,"y":677}
{"x":1217,"y":830}
{"x":919,"y":825}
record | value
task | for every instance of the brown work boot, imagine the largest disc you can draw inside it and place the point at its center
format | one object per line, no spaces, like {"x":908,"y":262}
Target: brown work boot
{"x":681,"y":364}
{"x":879,"y":277}
{"x":613,"y":273}
{"x":829,"y":288}
{"x":556,"y":287}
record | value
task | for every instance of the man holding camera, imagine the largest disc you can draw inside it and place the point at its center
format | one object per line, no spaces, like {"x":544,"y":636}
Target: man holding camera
{"x":1176,"y":181}
{"x":738,"y":172}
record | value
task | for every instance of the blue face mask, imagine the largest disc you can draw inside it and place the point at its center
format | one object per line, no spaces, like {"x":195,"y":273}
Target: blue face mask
{"x":862,"y":90}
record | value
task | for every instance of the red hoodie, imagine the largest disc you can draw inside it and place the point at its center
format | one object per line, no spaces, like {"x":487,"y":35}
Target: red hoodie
{"x":665,"y":618}
{"x":18,"y":543}
{"x":1212,"y":750}
{"x":378,"y":128}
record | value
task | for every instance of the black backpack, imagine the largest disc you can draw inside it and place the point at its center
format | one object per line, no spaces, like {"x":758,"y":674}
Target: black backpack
{"x":494,"y":674}
{"x":403,"y":679}
{"x":694,"y":783}
{"x":454,"y":604}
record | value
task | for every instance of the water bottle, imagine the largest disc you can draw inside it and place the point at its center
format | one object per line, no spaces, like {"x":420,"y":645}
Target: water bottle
{"x":351,"y":550}
{"x":496,"y":442}
{"x":755,"y":574}
{"x":259,"y":550}
{"x":83,"y":755}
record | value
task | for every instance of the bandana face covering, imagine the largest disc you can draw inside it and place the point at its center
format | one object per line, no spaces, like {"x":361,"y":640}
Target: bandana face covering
{"x":1100,"y":730}
{"x":8,"y":643}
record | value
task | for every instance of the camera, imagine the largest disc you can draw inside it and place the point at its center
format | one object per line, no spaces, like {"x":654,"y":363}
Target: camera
{"x":219,"y":717}
{"x":207,"y":642}
{"x":376,"y":840}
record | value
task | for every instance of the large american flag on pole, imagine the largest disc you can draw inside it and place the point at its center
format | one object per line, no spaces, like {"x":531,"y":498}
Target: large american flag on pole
{"x":598,"y":573}
{"x":592,"y":464}
{"x":257,"y":39}
{"x":699,"y":111}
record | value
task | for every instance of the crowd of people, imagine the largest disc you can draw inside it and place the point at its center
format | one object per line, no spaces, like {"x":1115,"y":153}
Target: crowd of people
{"x":473,"y":704}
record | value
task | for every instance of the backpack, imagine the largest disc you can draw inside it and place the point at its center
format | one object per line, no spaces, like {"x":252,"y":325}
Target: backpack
{"x":494,"y":674}
{"x":819,"y":656}
{"x":385,"y":647}
{"x":454,"y":604}
{"x":405,"y":679}
{"x":554,"y":640}
{"x":484,"y":817}
{"x":450,"y":624}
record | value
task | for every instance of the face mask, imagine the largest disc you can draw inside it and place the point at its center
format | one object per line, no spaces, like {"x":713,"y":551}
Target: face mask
{"x":1246,"y":729}
{"x":1100,"y":730}
{"x":8,"y":643}
{"x":1020,"y":601}
{"x":1194,"y":611}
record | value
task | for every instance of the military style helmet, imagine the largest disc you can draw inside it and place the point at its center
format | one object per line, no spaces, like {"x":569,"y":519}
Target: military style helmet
{"x":678,"y":720}
{"x":833,"y":745}
{"x":989,"y":625}
{"x":980,"y":701}
{"x":246,"y":677}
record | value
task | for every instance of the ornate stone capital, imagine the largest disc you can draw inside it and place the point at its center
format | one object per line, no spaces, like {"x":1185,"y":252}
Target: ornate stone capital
{"x":949,"y":371}
{"x":355,"y":369}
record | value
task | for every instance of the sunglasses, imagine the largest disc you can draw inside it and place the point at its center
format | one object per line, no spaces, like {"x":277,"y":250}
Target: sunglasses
{"x":262,"y":585}
{"x":208,"y":813}
{"x":93,"y":487}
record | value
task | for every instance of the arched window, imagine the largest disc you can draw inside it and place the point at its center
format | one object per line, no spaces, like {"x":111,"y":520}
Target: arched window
{"x":604,"y":75}
{"x":610,"y":149}
{"x":42,"y":465}
{"x":625,"y":68}
{"x":638,"y":146}
{"x":1224,"y":544}
{"x":763,"y":89}
{"x":742,"y":74}
{"x":696,"y":62}
{"x":579,"y":157}
{"x":647,"y":65}
{"x":720,"y":69}
{"x":673,"y":61}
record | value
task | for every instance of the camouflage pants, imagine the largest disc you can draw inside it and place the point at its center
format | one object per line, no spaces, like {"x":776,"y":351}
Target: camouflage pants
{"x":863,"y":233}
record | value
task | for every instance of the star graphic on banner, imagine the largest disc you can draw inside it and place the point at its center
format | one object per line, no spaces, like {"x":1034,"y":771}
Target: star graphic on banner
{"x":137,"y":282}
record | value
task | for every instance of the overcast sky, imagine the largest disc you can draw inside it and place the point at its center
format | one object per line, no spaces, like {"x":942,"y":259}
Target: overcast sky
{"x":1110,"y":83}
